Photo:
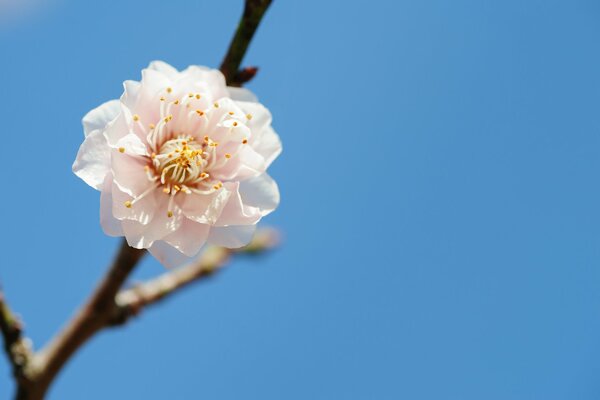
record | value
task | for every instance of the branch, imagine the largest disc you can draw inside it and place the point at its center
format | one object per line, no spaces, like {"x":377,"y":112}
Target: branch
{"x":254,"y":10}
{"x":16,"y":346}
{"x":90,"y":318}
{"x":131,"y":301}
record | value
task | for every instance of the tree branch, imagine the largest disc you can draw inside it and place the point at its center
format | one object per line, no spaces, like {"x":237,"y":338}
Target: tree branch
{"x":254,"y":10}
{"x":90,"y":318}
{"x":131,"y":301}
{"x":16,"y":346}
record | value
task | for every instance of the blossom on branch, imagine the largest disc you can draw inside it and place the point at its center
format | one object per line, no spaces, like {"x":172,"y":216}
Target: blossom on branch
{"x":180,"y":160}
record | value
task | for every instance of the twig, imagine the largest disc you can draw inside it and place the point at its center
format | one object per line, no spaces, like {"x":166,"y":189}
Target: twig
{"x":91,"y":318}
{"x":131,"y":301}
{"x":16,"y":346}
{"x":254,"y":10}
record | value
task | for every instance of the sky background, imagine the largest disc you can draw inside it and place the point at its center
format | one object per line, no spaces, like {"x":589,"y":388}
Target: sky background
{"x":440,"y":200}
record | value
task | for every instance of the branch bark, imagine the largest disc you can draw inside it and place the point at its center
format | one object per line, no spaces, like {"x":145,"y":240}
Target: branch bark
{"x":90,"y":319}
{"x":254,"y":10}
{"x":130,"y":302}
{"x":16,"y":346}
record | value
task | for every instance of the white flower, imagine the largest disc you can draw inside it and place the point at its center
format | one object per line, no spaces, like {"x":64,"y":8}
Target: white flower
{"x":180,"y":160}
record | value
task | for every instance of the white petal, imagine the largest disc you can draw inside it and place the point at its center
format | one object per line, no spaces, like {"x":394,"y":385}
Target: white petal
{"x":231,"y":236}
{"x":110,"y":225}
{"x":189,"y":238}
{"x":261,"y":116}
{"x":142,"y":211}
{"x":129,"y":172}
{"x":165,"y":68}
{"x":261,"y":192}
{"x":235,"y":211}
{"x":203,"y":208}
{"x":241,"y":94}
{"x":268,"y":145}
{"x":161,"y":225}
{"x":132,"y":144}
{"x":93,"y":159}
{"x":100,"y":116}
{"x":167,"y":255}
{"x":117,"y":129}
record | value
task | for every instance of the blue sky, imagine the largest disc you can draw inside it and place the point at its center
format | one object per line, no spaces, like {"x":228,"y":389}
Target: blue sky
{"x":439,"y":187}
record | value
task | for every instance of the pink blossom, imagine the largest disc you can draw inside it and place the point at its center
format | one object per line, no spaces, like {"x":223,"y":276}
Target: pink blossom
{"x":180,"y":160}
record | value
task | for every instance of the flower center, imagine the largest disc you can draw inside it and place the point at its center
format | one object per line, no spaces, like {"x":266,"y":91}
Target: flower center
{"x":181,"y":161}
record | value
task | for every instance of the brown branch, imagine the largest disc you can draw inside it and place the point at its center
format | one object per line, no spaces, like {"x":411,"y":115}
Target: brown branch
{"x":16,"y":346}
{"x":131,"y":301}
{"x":90,"y":318}
{"x":254,"y":10}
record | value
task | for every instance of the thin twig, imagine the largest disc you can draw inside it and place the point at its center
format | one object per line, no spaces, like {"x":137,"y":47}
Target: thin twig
{"x":16,"y":346}
{"x":91,"y":318}
{"x":131,"y":301}
{"x":254,"y":10}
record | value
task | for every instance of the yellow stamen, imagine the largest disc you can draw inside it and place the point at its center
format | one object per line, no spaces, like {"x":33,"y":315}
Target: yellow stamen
{"x":121,"y":149}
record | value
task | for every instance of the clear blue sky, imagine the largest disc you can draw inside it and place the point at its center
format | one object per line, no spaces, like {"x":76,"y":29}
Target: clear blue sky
{"x":440,"y":201}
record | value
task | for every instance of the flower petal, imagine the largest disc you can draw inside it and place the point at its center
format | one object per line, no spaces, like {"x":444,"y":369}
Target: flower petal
{"x":129,"y":172}
{"x":142,"y":211}
{"x":167,"y":255}
{"x":260,"y":115}
{"x":235,"y":211}
{"x":143,"y":236}
{"x":100,"y":116}
{"x":231,"y":236}
{"x":268,"y":145}
{"x":203,"y":208}
{"x":261,"y":192}
{"x":93,"y":159}
{"x":164,"y":68}
{"x":189,"y":238}
{"x":241,"y":94}
{"x":110,"y":225}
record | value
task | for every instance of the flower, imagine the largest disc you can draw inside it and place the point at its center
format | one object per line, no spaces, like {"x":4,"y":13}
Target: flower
{"x":180,"y":160}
